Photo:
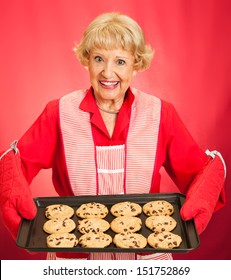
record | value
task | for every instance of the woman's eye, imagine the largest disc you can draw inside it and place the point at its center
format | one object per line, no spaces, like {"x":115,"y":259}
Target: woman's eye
{"x":98,"y":59}
{"x":120,"y":62}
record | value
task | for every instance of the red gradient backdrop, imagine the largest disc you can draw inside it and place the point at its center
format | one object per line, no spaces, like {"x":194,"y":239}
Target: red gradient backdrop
{"x":191,"y":69}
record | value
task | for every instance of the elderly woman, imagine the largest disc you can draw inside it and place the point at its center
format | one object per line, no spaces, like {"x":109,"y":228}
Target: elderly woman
{"x":110,"y":138}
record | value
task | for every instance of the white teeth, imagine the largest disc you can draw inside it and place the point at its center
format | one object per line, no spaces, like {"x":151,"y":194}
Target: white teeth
{"x":109,"y":83}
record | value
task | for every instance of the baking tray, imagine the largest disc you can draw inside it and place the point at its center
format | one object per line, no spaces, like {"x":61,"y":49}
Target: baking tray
{"x":32,"y":237}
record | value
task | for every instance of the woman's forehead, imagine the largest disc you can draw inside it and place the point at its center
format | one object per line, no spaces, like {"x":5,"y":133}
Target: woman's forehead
{"x":116,"y":52}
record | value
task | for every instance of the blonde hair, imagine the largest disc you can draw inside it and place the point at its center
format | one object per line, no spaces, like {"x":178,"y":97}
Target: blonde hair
{"x":115,"y":30}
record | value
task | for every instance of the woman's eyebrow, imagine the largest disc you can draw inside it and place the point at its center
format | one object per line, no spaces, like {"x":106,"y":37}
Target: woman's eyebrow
{"x":124,"y":57}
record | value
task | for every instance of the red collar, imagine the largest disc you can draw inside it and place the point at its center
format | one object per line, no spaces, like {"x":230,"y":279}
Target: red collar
{"x":88,"y":104}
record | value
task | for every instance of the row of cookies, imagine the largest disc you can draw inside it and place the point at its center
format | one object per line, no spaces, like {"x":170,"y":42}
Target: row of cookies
{"x":93,"y":225}
{"x":99,"y":210}
{"x":163,"y":240}
{"x":161,"y":223}
{"x":59,"y":226}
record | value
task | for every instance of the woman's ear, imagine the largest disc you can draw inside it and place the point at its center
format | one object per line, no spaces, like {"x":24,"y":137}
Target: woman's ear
{"x":134,"y":73}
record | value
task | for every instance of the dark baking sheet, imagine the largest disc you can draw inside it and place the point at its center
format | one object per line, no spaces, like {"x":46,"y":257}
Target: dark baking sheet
{"x":32,"y":237}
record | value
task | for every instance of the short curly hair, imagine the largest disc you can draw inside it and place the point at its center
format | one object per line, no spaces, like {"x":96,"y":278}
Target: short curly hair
{"x":115,"y":30}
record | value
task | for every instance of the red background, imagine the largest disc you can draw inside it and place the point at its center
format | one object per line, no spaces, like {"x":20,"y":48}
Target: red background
{"x":191,"y":69}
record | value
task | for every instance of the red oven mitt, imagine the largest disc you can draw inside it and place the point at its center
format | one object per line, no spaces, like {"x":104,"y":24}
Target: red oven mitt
{"x":15,"y":196}
{"x":206,"y":193}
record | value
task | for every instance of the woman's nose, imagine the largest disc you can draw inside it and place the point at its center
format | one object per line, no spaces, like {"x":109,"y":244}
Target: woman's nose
{"x":108,"y":70}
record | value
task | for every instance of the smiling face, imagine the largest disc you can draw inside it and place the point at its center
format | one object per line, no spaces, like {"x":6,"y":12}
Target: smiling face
{"x":111,"y":72}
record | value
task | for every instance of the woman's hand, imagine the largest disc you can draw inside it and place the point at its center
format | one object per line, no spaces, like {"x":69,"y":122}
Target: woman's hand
{"x":16,"y":201}
{"x":200,"y":211}
{"x":206,"y":193}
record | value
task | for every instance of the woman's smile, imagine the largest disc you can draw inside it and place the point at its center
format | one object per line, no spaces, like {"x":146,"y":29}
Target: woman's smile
{"x":109,"y":84}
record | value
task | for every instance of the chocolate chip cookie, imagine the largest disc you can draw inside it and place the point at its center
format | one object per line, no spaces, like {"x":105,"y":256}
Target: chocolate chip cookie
{"x":164,"y":240}
{"x":126,"y":224}
{"x":95,"y":240}
{"x":158,"y":207}
{"x":92,"y":210}
{"x":93,"y":225}
{"x":129,"y":240}
{"x":59,"y":211}
{"x":62,"y":240}
{"x":59,"y":225}
{"x":160,"y":223}
{"x":126,"y":208}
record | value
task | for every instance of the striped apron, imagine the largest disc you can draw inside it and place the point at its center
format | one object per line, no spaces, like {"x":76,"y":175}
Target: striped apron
{"x":116,"y":169}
